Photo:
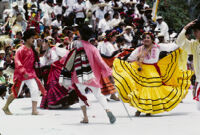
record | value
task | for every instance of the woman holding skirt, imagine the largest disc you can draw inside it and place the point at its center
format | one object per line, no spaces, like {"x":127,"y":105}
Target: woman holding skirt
{"x":151,"y":85}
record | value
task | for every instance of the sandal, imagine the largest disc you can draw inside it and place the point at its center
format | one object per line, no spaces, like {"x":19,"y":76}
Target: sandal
{"x":148,"y":114}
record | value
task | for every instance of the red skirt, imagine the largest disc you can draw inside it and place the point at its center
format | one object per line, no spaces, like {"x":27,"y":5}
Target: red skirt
{"x":56,"y":94}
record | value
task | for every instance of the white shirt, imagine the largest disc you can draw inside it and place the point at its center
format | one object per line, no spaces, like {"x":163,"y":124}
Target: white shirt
{"x":23,"y":24}
{"x":57,"y":10}
{"x":164,"y":30}
{"x":119,"y":3}
{"x":104,"y":25}
{"x":155,"y":52}
{"x":2,"y":63}
{"x":69,"y":4}
{"x":128,"y":38}
{"x":114,"y":22}
{"x":42,"y":6}
{"x":79,"y":7}
{"x":14,"y":12}
{"x":56,"y":23}
{"x":107,"y":49}
{"x":100,"y":13}
{"x":100,"y":44}
{"x":52,"y":55}
{"x":48,"y":10}
{"x":191,"y":47}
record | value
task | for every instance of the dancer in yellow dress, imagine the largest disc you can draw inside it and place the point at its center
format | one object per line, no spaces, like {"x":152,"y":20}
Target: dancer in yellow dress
{"x":149,"y":84}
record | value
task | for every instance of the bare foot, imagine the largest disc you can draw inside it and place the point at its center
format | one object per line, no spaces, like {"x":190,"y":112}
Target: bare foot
{"x":7,"y":111}
{"x":35,"y":113}
{"x":84,"y":121}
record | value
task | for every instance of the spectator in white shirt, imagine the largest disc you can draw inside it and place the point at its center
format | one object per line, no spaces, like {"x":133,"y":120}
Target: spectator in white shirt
{"x":104,"y":24}
{"x":58,"y":8}
{"x":162,"y":25}
{"x":16,"y":10}
{"x":128,"y":36}
{"x":58,"y":21}
{"x":48,"y":13}
{"x":109,"y":49}
{"x":20,"y":22}
{"x":116,"y":20}
{"x":68,"y":4}
{"x":100,"y":12}
{"x":79,"y":10}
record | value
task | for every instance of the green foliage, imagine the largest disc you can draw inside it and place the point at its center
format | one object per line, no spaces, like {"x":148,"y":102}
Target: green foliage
{"x":176,"y":13}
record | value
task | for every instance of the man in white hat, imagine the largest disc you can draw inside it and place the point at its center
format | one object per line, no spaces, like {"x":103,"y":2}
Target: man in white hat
{"x":100,"y":12}
{"x":128,"y":36}
{"x":16,"y":10}
{"x":162,"y":25}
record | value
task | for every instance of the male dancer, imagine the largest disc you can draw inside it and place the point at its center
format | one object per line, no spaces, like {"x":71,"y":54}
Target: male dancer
{"x":192,"y":47}
{"x":86,"y":74}
{"x":25,"y":60}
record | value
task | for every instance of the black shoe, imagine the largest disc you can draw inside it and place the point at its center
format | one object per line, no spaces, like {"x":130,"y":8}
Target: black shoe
{"x":137,"y":114}
{"x":148,"y":114}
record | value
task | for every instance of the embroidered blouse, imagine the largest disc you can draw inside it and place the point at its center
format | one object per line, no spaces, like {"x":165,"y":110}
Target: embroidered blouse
{"x":153,"y":57}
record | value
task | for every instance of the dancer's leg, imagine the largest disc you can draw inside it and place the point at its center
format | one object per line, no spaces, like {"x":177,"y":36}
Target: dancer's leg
{"x":34,"y":90}
{"x":8,"y":102}
{"x":82,"y":104}
{"x":102,"y":100}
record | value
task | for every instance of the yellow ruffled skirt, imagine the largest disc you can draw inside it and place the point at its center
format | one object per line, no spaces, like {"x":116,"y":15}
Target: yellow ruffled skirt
{"x":156,"y":88}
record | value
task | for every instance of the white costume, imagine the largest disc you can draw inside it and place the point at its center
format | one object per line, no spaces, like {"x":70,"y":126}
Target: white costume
{"x":52,"y":55}
{"x":104,"y":25}
{"x":153,"y":57}
{"x":107,"y":49}
{"x":164,"y":30}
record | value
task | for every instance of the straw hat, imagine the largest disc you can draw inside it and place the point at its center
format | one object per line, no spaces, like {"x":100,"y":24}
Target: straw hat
{"x":2,"y":52}
{"x":159,"y":18}
{"x":160,"y":35}
{"x":14,"y":4}
{"x":128,"y":27}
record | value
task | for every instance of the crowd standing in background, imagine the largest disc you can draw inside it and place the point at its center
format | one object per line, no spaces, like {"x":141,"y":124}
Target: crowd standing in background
{"x":74,"y":44}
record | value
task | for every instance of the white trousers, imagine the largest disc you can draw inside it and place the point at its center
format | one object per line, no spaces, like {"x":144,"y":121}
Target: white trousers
{"x":198,"y":103}
{"x":33,"y":87}
{"x":96,"y":92}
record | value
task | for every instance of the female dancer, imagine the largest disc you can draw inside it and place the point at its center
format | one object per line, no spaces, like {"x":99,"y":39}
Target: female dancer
{"x":108,"y":52}
{"x":57,"y":96}
{"x":150,"y":85}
